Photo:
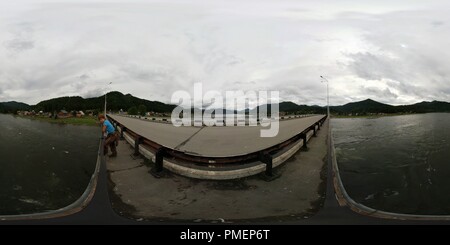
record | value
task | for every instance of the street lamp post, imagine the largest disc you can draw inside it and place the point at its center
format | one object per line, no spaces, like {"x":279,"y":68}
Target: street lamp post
{"x":105,"y":95}
{"x":328,"y":95}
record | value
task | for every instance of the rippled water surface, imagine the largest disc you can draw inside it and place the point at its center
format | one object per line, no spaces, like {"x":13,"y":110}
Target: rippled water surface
{"x":398,"y":164}
{"x":43,"y":166}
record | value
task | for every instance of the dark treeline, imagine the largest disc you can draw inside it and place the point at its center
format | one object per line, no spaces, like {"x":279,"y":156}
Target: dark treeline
{"x":13,"y":106}
{"x":366,"y":107}
{"x":115,"y":101}
{"x":373,"y":107}
{"x":134,"y":105}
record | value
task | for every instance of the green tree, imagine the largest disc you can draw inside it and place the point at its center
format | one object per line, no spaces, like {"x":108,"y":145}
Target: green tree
{"x":142,"y":110}
{"x":133,"y":111}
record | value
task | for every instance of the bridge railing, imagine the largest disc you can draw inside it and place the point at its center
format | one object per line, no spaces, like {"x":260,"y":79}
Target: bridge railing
{"x":158,"y":153}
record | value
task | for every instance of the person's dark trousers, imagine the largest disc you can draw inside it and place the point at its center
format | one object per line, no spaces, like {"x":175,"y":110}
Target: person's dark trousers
{"x":111,"y":142}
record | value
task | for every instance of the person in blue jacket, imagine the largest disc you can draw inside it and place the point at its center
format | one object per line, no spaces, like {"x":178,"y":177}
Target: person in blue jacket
{"x":111,"y":136}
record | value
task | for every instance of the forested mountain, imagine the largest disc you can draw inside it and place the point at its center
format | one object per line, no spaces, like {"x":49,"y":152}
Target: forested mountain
{"x":13,"y":106}
{"x":292,"y":108}
{"x":365,"y":107}
{"x":115,"y":102}
{"x":423,"y":107}
{"x":373,"y":107}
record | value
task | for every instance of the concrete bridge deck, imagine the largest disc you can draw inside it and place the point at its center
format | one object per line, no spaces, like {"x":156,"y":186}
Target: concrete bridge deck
{"x":215,"y":141}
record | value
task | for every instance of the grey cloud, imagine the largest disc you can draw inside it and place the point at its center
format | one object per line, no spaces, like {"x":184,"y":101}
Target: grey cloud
{"x":406,"y":88}
{"x":234,"y":62}
{"x":372,"y":67}
{"x":297,"y":10}
{"x":407,"y":54}
{"x":324,"y":39}
{"x":22,"y":37}
{"x":215,"y":60}
{"x":151,"y":74}
{"x":19,"y":45}
{"x":93,"y":93}
{"x":382,"y":94}
{"x":358,"y":16}
{"x":243,"y":83}
{"x":437,"y":23}
{"x":84,"y":77}
{"x":78,"y":86}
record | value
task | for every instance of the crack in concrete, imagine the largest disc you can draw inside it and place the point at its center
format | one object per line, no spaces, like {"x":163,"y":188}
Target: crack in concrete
{"x":125,"y":169}
{"x":188,"y":139}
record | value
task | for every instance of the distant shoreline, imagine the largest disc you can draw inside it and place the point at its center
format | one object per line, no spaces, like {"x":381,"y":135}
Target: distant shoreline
{"x":380,"y":116}
{"x":371,"y":116}
{"x":80,"y":121}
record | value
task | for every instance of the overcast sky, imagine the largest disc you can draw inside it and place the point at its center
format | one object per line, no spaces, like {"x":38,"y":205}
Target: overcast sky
{"x":392,"y":51}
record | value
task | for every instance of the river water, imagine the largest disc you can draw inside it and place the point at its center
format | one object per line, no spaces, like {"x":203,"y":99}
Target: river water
{"x":398,"y":164}
{"x":44,"y":166}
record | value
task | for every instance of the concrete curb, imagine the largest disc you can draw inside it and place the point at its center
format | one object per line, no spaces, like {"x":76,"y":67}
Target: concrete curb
{"x":344,"y":199}
{"x":81,"y":203}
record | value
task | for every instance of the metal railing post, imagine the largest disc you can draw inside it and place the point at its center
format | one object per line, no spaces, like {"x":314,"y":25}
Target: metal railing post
{"x":303,"y":137}
{"x":269,"y":165}
{"x":159,"y":160}
{"x":137,"y":142}
{"x":123,"y":129}
{"x":268,"y":160}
